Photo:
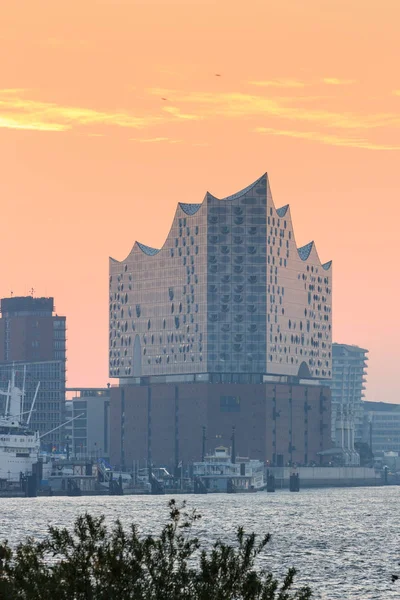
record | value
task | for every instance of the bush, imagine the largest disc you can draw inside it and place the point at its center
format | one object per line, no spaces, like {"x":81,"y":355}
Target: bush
{"x":93,"y":563}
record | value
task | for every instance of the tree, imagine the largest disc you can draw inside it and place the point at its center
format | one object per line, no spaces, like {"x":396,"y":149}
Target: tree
{"x":365,"y":452}
{"x":93,"y":563}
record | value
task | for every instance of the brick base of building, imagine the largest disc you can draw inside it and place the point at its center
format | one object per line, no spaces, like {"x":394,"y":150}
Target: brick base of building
{"x":163,"y":423}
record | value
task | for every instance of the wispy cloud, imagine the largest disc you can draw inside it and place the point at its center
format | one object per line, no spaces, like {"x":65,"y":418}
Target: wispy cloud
{"x":279,"y":83}
{"x":240,"y":105}
{"x":327,"y":138}
{"x":336,"y":81}
{"x":176,"y":112}
{"x":155,"y":140}
{"x":18,"y":112}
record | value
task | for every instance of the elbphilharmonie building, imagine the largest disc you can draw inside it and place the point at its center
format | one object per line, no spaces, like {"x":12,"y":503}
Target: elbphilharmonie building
{"x":229,"y":298}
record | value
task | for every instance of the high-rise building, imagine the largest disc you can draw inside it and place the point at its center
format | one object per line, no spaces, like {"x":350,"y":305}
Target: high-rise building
{"x":33,"y":343}
{"x":229,"y":323}
{"x":229,"y":297}
{"x":347,"y":390}
{"x":30,"y":331}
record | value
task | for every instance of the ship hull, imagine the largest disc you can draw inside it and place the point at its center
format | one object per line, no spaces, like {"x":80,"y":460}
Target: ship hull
{"x":18,"y":454}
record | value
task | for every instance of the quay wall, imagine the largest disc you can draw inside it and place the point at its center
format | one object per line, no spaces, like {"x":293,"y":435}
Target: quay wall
{"x":327,"y":476}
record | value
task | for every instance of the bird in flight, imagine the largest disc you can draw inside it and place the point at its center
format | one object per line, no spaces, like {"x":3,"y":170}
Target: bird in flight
{"x":217,"y":74}
{"x":163,"y":98}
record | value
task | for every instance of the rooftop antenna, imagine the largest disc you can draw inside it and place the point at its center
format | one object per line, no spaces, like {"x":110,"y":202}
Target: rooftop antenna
{"x":12,"y":293}
{"x":32,"y":292}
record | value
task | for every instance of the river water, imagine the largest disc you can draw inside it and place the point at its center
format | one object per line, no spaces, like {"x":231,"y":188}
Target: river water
{"x":345,"y":543}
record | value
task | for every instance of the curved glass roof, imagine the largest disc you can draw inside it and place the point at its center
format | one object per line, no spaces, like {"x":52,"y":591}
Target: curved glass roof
{"x":282,"y":211}
{"x":246,"y":189}
{"x":148,"y":250}
{"x":189,"y":209}
{"x":305,"y":251}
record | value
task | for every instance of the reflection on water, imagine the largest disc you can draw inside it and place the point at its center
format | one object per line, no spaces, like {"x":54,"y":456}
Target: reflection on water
{"x":345,"y":543}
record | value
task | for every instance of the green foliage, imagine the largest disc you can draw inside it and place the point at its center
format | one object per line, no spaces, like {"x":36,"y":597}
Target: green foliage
{"x":93,"y":563}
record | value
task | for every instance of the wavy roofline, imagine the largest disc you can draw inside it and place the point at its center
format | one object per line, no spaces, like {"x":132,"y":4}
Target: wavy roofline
{"x":190,"y":209}
{"x":241,"y":192}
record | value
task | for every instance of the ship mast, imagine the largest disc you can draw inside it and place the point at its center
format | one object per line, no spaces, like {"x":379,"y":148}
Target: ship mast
{"x":22,"y":398}
{"x":7,"y":394}
{"x":33,"y":403}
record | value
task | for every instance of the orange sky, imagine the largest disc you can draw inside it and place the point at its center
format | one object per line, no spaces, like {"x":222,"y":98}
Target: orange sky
{"x":92,"y":158}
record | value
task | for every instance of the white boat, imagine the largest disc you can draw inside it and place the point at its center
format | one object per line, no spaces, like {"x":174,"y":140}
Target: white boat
{"x":105,"y":475}
{"x":220,"y":472}
{"x":19,"y":444}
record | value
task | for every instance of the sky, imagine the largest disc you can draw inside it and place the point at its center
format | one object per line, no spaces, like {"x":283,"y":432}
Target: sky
{"x":112,"y":112}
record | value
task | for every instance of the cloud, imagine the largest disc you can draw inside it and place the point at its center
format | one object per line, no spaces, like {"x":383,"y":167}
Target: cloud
{"x":280,"y":83}
{"x":31,"y":124}
{"x":335,"y":81}
{"x":230,"y":105}
{"x":173,"y":110}
{"x":18,"y":112}
{"x":327,"y":138}
{"x":155,"y":140}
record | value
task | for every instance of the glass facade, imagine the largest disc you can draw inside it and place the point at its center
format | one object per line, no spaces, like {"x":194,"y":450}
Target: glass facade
{"x":382,"y":426}
{"x":228,"y":295}
{"x":49,"y":410}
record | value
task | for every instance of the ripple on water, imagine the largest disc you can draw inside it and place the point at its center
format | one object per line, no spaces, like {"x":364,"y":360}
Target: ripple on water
{"x":345,"y":543}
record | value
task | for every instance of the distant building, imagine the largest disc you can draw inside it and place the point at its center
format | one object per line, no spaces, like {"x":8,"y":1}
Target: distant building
{"x":34,"y":337}
{"x":89,"y":434}
{"x":229,"y":323}
{"x":347,"y":389}
{"x":382,"y":426}
{"x":30,"y":331}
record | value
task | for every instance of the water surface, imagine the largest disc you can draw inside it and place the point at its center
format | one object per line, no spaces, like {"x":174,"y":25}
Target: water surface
{"x":345,"y":543}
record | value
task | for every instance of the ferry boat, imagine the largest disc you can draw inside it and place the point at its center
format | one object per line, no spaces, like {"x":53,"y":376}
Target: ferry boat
{"x":19,"y":444}
{"x":224,"y":472}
